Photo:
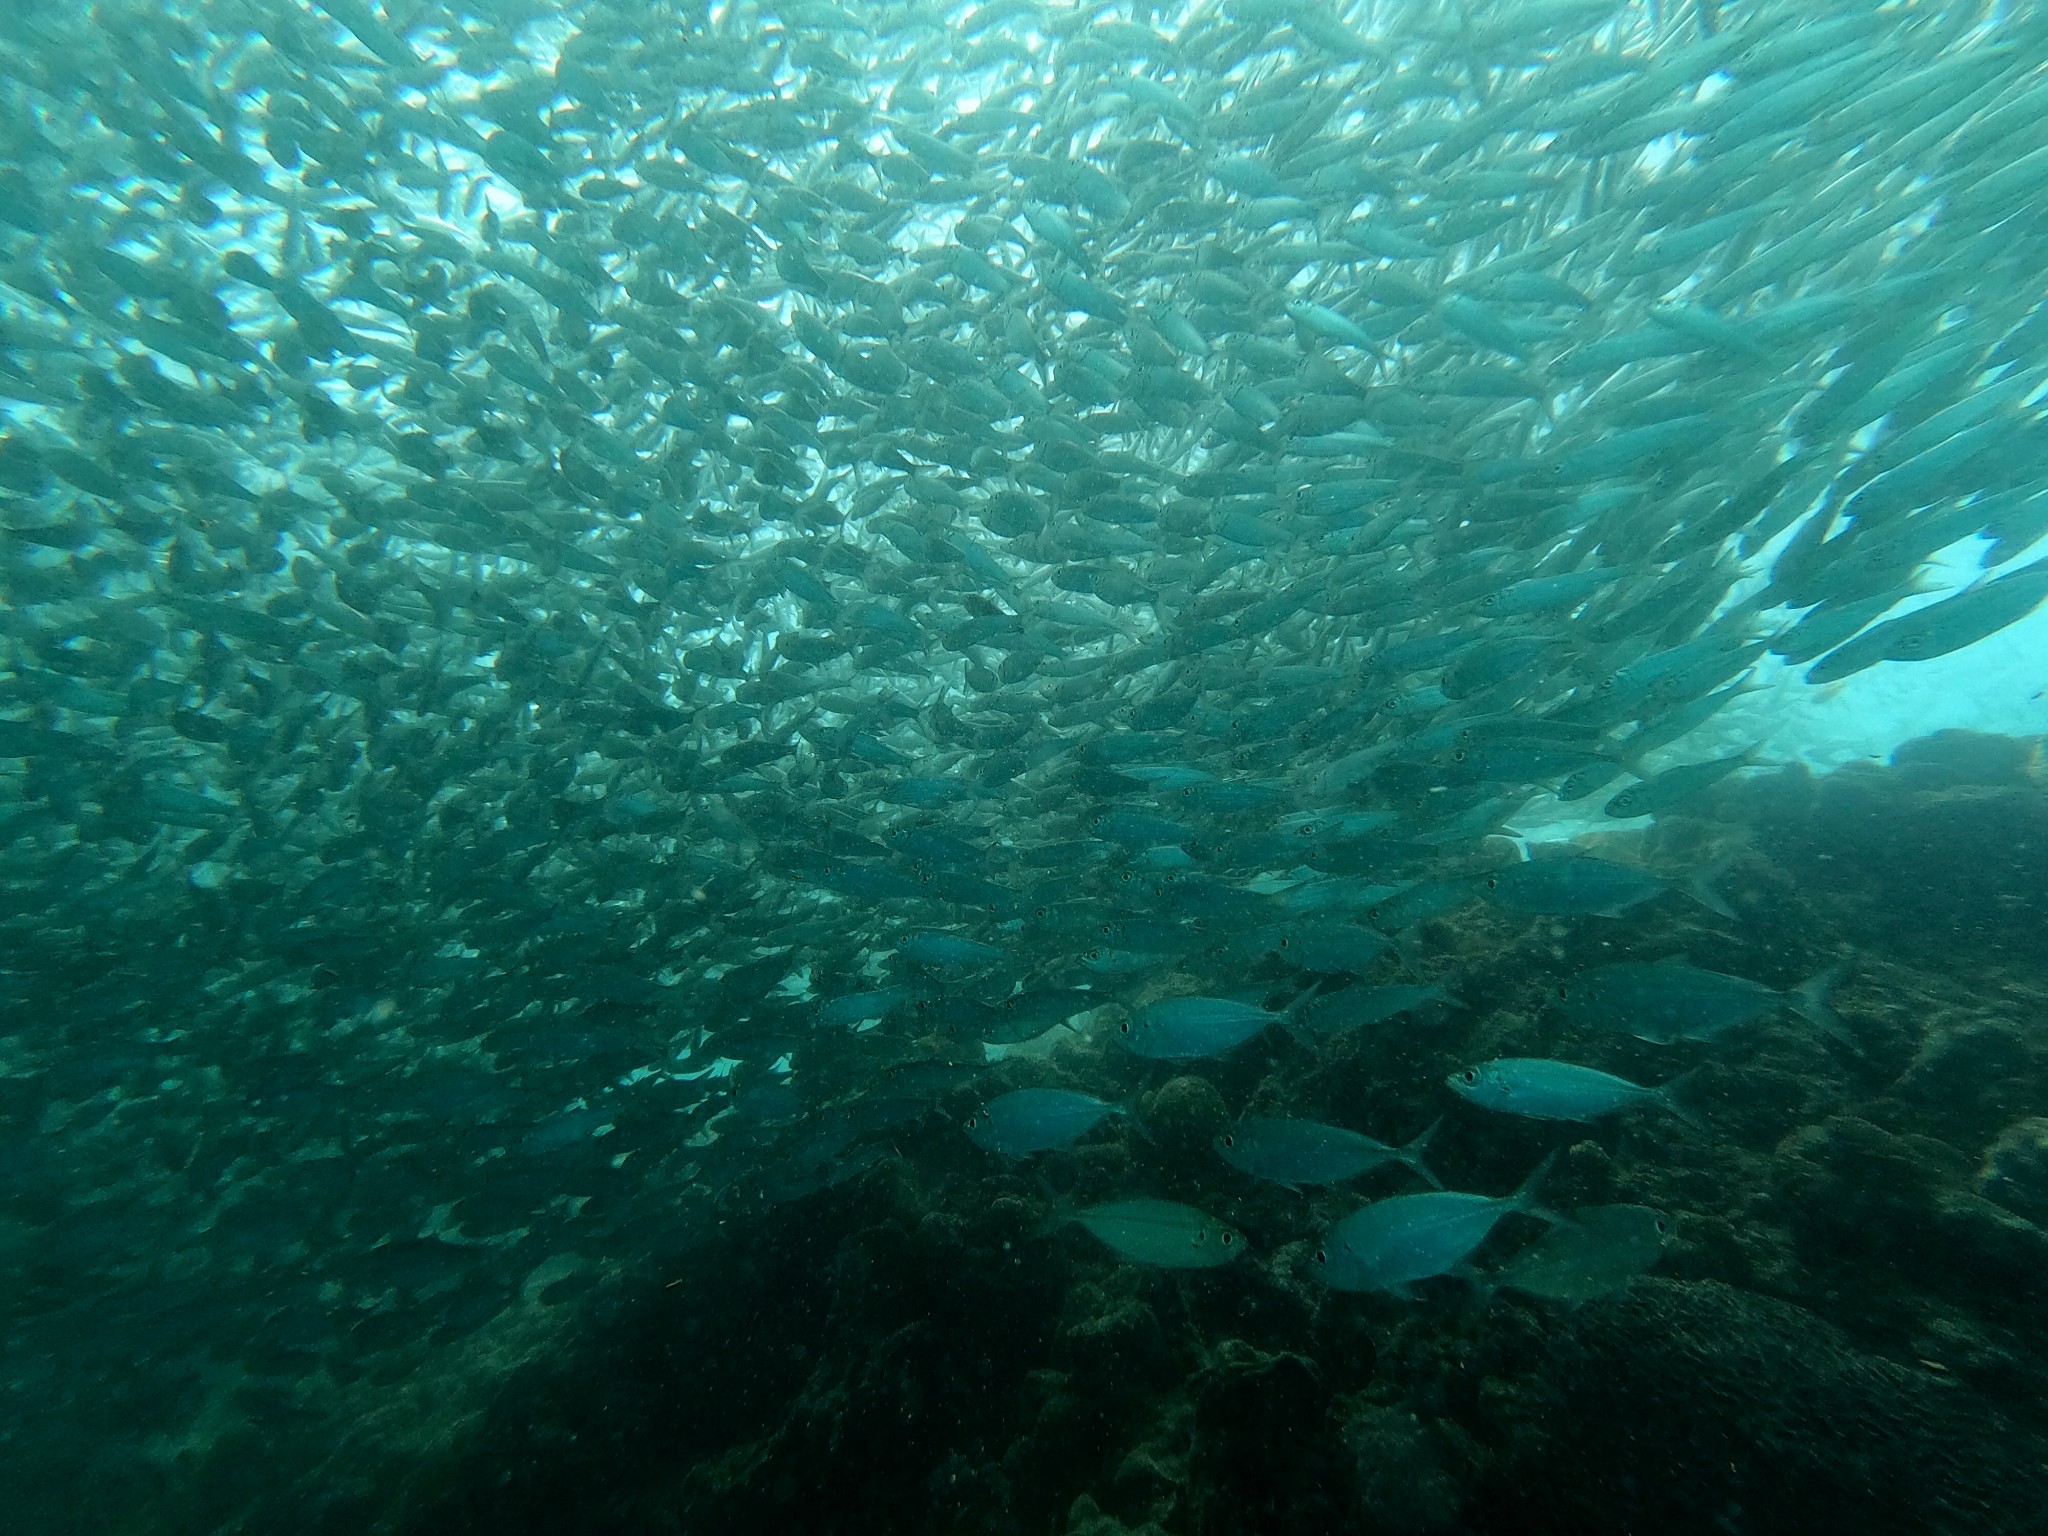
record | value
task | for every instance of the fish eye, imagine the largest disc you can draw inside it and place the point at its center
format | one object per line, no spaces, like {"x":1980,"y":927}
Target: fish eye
{"x":1285,"y":942}
{"x":1229,"y":1140}
{"x":1458,"y":756}
{"x":1469,"y":1075}
{"x":1493,"y":882}
{"x":1124,"y":1028}
{"x":973,"y":1121}
{"x":1228,"y":1238}
{"x":1127,"y":877}
{"x":1322,"y":1255}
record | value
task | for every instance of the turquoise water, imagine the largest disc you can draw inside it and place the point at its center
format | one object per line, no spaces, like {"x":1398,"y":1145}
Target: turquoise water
{"x":1023,"y":768}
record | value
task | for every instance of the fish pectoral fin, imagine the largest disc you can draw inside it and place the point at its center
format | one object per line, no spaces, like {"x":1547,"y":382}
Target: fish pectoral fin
{"x":1524,"y":1198}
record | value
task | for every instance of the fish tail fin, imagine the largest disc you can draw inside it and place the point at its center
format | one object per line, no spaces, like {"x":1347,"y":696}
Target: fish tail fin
{"x":1411,"y":1155}
{"x":1701,"y":887}
{"x":1667,"y":1095}
{"x":1524,"y":1198}
{"x":1295,"y":1024}
{"x":1812,"y":1001}
{"x":1129,"y":1107}
{"x":1060,"y":1213}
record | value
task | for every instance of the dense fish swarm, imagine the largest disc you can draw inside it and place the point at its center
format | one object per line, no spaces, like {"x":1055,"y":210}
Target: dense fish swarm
{"x":613,"y":610}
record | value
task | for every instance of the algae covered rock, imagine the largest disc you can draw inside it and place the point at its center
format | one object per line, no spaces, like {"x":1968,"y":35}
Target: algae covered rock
{"x":1265,"y":1456}
{"x":1940,"y":878}
{"x":1407,"y":1474}
{"x":1185,"y":1115}
{"x":1952,"y":759}
{"x":1087,"y":1519}
{"x":1115,"y":1337}
{"x":2015,"y":1170}
{"x":1867,"y":1202}
{"x":1975,"y":1074}
{"x":1690,"y":1406}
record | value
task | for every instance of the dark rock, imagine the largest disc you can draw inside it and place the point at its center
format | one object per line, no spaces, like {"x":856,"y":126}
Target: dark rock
{"x":1264,"y":1455}
{"x":1972,"y":1076}
{"x":1938,"y":878}
{"x":1120,"y":1341}
{"x":1148,"y":1482}
{"x":1408,"y":1480}
{"x":1087,"y":1519}
{"x":1951,"y":759}
{"x":1867,"y":1200}
{"x":1682,"y":1407}
{"x":1185,"y":1115}
{"x":2015,"y":1171}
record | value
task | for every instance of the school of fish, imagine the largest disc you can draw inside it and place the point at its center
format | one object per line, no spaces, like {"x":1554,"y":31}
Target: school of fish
{"x":607,"y":604}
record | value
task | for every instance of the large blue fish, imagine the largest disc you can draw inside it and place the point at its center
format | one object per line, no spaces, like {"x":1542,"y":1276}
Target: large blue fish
{"x":1391,"y":1244}
{"x":1182,"y":1028}
{"x":1030,"y":1120}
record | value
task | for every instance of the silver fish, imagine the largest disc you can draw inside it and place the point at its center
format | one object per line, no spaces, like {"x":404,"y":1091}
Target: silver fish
{"x":1182,"y":1028}
{"x":1558,"y":1090}
{"x":1161,"y":1233}
{"x":1584,"y":885}
{"x":1029,"y":1120}
{"x":1597,"y":1250}
{"x":1391,"y":1244}
{"x":1297,"y":1152}
{"x":1671,"y":1000}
